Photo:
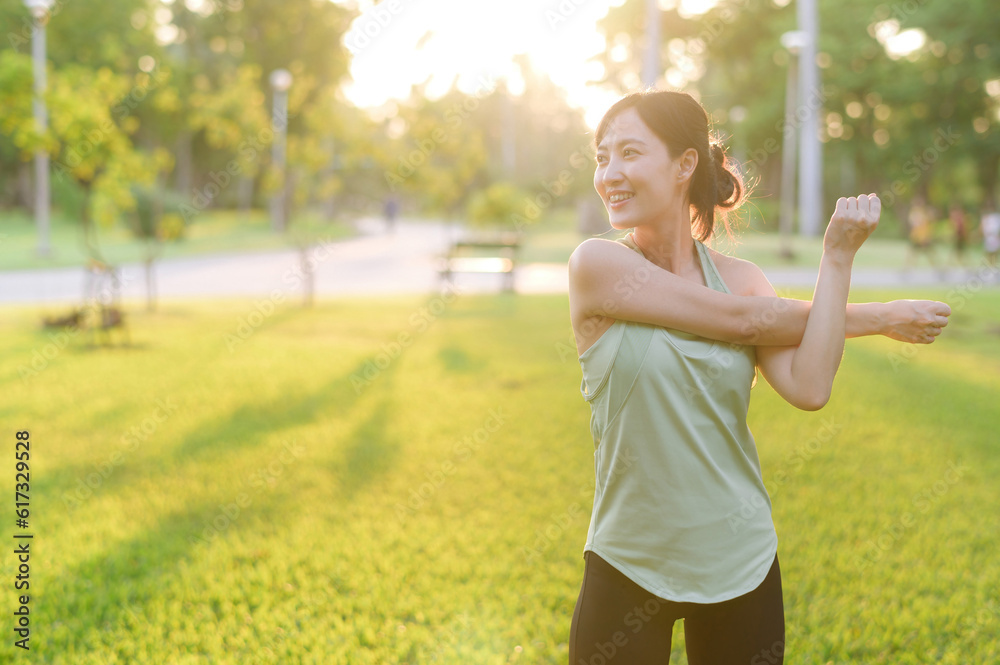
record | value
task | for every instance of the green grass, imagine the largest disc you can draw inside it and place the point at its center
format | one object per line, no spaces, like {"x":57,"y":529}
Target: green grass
{"x":222,"y":231}
{"x":338,"y":487}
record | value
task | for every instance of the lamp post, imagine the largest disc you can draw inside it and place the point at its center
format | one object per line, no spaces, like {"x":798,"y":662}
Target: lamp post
{"x":281,"y":81}
{"x":810,"y":156}
{"x":793,"y":42}
{"x":39,"y":11}
{"x":651,"y":61}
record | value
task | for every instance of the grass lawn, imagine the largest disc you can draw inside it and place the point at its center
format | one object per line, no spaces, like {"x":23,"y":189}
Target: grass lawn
{"x":409,"y":480}
{"x":216,"y":231}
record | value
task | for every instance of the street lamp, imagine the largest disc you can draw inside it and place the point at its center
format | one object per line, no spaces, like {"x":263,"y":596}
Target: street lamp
{"x":810,"y":156}
{"x":281,"y":81}
{"x":651,"y":59}
{"x":793,"y":41}
{"x":39,"y":11}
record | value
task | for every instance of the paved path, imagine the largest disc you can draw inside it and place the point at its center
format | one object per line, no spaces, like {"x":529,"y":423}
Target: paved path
{"x":374,"y":263}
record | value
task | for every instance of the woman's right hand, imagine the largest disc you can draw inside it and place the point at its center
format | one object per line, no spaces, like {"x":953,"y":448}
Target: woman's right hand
{"x":853,"y":220}
{"x":915,"y":321}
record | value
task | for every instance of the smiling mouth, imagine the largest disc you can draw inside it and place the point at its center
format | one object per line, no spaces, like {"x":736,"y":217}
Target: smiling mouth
{"x":619,"y":198}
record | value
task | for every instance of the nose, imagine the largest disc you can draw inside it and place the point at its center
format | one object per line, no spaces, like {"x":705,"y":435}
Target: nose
{"x":611,"y":173}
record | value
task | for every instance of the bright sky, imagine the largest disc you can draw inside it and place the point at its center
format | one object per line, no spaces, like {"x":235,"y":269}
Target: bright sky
{"x":399,"y":43}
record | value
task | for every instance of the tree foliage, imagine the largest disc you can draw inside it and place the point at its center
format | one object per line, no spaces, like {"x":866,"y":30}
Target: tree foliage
{"x":896,"y":124}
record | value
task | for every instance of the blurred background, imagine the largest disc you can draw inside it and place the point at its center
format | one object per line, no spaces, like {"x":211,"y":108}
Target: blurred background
{"x":199,"y":126}
{"x":241,"y":455}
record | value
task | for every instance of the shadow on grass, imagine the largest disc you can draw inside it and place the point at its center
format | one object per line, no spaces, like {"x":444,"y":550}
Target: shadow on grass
{"x":209,"y":443}
{"x":116,"y":587}
{"x":927,"y":397}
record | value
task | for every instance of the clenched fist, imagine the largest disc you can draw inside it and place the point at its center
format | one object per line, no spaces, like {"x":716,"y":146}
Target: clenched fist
{"x":852,"y":222}
{"x":915,"y":321}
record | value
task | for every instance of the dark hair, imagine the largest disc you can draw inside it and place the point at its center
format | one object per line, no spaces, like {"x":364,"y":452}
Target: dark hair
{"x":681,"y":123}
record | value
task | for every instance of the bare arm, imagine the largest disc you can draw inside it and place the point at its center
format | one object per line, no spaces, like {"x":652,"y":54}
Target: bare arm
{"x":609,"y":279}
{"x":803,"y":375}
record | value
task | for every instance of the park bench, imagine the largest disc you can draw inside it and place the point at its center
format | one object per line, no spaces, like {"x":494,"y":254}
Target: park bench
{"x":495,"y":253}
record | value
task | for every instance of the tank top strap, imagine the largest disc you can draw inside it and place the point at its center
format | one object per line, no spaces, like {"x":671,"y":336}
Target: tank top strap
{"x":628,"y":242}
{"x":712,"y":277}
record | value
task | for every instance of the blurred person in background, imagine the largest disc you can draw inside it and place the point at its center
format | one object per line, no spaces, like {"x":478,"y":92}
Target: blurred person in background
{"x":921,"y":233}
{"x":391,"y":212}
{"x":991,"y":237}
{"x":960,"y":231}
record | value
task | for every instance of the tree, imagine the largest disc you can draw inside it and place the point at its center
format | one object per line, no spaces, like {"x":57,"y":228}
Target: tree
{"x":881,"y":111}
{"x":85,"y":139}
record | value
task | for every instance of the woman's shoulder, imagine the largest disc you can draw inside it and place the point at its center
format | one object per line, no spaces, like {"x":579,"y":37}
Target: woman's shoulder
{"x":597,"y":251}
{"x":744,"y":278}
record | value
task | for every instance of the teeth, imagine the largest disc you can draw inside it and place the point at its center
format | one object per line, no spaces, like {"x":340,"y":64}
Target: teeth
{"x":615,"y":198}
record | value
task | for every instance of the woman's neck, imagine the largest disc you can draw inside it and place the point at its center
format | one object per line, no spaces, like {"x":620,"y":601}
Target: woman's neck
{"x":670,"y":247}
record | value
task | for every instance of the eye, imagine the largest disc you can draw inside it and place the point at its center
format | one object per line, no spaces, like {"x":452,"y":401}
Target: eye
{"x":627,"y":151}
{"x":601,"y":158}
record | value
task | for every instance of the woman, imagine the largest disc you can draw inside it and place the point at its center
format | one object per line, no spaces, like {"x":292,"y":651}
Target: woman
{"x":670,"y":334}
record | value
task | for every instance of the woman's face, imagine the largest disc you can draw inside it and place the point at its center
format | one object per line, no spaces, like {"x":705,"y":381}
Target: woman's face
{"x":635,"y":176}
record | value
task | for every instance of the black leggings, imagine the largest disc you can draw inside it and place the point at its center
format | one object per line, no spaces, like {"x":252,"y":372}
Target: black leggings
{"x":617,"y":621}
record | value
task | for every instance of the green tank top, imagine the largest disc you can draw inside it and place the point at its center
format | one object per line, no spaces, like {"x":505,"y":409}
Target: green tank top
{"x":680,"y":507}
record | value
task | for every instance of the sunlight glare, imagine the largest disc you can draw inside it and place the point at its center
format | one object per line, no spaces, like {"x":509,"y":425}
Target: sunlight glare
{"x":474,"y":44}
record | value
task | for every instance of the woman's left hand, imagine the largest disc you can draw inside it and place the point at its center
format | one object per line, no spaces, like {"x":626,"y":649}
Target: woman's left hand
{"x":854,"y":219}
{"x":915,"y":321}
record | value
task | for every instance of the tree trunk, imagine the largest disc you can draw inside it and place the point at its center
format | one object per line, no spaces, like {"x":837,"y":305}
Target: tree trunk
{"x":245,"y":195}
{"x":150,"y":286}
{"x":308,"y":275}
{"x":988,"y":169}
{"x":25,"y":189}
{"x":185,"y":168}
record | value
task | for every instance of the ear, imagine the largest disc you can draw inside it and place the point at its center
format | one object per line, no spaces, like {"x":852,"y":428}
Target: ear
{"x":686,"y":164}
